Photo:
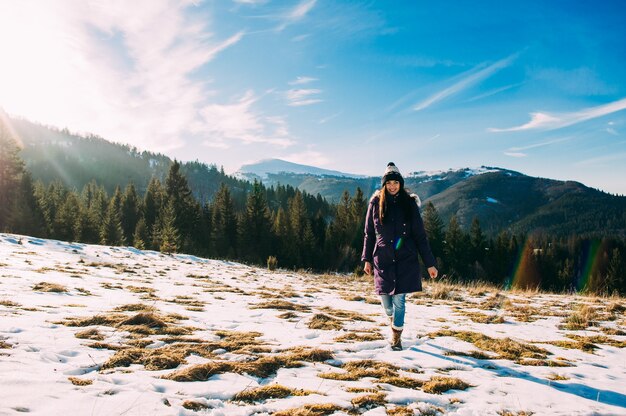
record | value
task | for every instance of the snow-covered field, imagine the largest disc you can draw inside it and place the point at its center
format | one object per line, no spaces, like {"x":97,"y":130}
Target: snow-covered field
{"x":95,"y":330}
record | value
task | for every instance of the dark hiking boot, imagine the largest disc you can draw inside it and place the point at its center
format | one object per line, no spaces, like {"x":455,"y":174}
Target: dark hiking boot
{"x":396,"y":340}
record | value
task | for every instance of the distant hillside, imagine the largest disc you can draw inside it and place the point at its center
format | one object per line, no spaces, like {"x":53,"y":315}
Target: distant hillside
{"x":263,"y":168}
{"x":522,"y":203}
{"x":51,"y":154}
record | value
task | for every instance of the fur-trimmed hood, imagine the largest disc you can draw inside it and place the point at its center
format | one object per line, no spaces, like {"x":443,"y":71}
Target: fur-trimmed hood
{"x":414,"y":196}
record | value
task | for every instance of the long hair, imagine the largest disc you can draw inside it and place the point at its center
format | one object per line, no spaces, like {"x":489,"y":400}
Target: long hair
{"x":404,"y":199}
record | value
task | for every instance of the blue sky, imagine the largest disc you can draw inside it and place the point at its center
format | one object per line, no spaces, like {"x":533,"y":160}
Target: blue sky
{"x":533,"y":86}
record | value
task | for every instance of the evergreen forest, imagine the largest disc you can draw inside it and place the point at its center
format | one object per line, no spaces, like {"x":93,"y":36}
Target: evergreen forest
{"x":255,"y":224}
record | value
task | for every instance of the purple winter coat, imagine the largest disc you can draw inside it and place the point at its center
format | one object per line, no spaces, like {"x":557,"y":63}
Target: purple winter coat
{"x":392,"y":247}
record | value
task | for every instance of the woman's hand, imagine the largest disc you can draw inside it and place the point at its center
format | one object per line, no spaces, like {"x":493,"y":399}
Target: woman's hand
{"x":367,"y":268}
{"x":432,"y":272}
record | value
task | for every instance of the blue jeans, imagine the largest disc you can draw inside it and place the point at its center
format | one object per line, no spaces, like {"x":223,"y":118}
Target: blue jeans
{"x":394,"y":306}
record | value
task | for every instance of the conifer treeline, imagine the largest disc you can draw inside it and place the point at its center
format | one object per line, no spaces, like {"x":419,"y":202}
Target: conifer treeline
{"x":300,"y":230}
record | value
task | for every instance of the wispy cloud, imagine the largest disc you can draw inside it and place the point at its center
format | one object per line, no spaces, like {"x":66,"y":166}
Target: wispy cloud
{"x":329,"y":118}
{"x":296,"y":14}
{"x":542,"y":144}
{"x":515,"y":154}
{"x":238,"y":122}
{"x":493,"y":92}
{"x":553,"y":121}
{"x":302,"y":97}
{"x":601,"y":160}
{"x":302,"y":80}
{"x":467,"y":80}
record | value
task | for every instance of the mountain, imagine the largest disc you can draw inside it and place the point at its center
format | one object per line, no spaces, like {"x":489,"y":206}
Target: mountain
{"x":499,"y":198}
{"x":262,"y":169}
{"x":520,"y":203}
{"x":332,"y":184}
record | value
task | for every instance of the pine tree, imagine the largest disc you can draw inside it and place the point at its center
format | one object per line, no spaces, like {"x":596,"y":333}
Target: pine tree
{"x":255,"y":229}
{"x":141,"y":235}
{"x":297,"y":223}
{"x":456,"y":248}
{"x":11,"y":170}
{"x":358,"y":209}
{"x":27,"y":217}
{"x":152,"y":205}
{"x":169,"y":237}
{"x":434,"y":229}
{"x":186,"y":208}
{"x":130,"y":212}
{"x":477,"y":240}
{"x":94,"y":204}
{"x":67,"y":219}
{"x":111,"y":232}
{"x":616,"y":273}
{"x":280,"y":229}
{"x":224,"y":223}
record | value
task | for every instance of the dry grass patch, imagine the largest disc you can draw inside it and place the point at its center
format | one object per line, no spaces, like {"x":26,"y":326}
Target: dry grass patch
{"x":369,"y":401}
{"x":479,"y":355}
{"x":438,"y":385}
{"x":262,"y":367}
{"x":401,"y":411}
{"x":281,"y":305}
{"x":353,"y":298}
{"x":580,"y":318}
{"x":544,"y":363}
{"x":140,"y":289}
{"x":135,"y":307}
{"x":195,"y":406}
{"x":240,"y":342}
{"x":355,"y":370}
{"x":612,"y":331}
{"x":326,"y":322}
{"x":556,"y":377}
{"x":350,"y":315}
{"x":518,"y":413}
{"x":597,"y":339}
{"x":93,"y":334}
{"x":4,"y":345}
{"x":152,"y":359}
{"x":360,"y":337}
{"x":80,"y":381}
{"x":321,"y":409}
{"x":481,"y":318}
{"x":288,"y":315}
{"x":504,"y":347}
{"x":9,"y":304}
{"x":615,"y":308}
{"x":402,"y":381}
{"x":445,"y":292}
{"x":274,"y":391}
{"x":362,"y":389}
{"x":104,"y":320}
{"x":110,"y":286}
{"x":49,"y":287}
{"x":495,"y":301}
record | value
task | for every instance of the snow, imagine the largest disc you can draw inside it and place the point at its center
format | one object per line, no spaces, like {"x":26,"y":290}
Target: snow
{"x":43,"y":352}
{"x":264,"y":167}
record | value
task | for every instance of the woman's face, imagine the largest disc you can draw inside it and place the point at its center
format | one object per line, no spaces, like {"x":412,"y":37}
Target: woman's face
{"x":392,"y":187}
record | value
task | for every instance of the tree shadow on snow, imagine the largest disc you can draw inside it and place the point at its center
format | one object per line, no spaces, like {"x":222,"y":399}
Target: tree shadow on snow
{"x":597,"y":395}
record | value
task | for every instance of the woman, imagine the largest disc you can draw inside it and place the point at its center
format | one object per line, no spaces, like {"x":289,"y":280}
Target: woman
{"x":394,"y":234}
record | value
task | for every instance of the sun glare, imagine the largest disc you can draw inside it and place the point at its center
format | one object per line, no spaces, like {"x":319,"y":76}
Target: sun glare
{"x":34,"y":60}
